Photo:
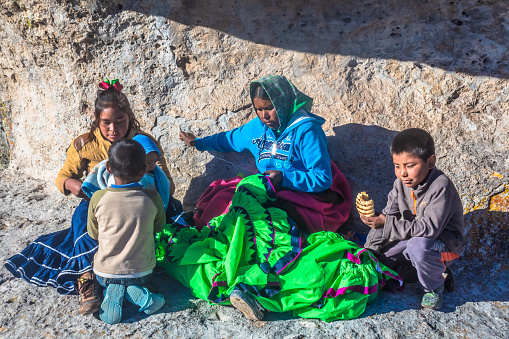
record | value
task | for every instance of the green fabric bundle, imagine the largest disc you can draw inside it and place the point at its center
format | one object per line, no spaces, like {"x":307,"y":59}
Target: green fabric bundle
{"x":256,"y":248}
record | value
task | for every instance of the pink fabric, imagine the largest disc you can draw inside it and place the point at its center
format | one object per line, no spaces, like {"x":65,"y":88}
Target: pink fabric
{"x":355,"y":258}
{"x":317,"y":215}
{"x":215,"y":201}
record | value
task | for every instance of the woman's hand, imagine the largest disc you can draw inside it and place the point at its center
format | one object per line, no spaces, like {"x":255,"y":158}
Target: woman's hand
{"x":276,"y":178}
{"x":187,"y":138}
{"x":374,"y":222}
{"x":74,"y":186}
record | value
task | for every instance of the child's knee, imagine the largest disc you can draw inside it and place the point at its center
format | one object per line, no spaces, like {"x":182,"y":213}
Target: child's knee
{"x":418,"y":247}
{"x":375,"y":240}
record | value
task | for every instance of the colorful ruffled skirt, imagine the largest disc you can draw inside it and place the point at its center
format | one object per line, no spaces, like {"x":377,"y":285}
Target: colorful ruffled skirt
{"x":256,"y":247}
{"x":58,"y":259}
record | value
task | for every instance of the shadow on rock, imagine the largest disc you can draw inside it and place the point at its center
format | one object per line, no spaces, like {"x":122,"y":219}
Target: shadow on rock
{"x":362,"y":154}
{"x":481,"y":274}
{"x":488,"y":235}
{"x":468,"y":38}
{"x":222,"y":166}
{"x":477,"y":281}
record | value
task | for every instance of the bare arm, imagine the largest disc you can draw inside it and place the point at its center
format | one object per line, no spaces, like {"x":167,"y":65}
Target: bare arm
{"x":74,"y":186}
{"x":187,"y":138}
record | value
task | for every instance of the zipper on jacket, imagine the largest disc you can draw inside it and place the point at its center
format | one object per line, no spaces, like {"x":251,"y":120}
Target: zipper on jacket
{"x":412,"y":195}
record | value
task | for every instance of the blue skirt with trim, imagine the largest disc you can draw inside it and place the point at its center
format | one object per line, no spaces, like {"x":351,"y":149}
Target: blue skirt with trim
{"x":58,"y":259}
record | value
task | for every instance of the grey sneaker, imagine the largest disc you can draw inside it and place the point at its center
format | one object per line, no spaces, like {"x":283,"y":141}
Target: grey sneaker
{"x":245,"y":303}
{"x":433,"y":299}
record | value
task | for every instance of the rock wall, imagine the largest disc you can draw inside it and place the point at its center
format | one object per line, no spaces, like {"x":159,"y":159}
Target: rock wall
{"x":372,"y":67}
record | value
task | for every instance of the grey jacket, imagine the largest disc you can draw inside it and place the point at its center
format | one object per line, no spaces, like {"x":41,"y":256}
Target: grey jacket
{"x":439,"y":214}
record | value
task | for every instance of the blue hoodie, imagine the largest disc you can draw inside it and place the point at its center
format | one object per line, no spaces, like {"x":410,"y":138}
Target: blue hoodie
{"x":300,"y":151}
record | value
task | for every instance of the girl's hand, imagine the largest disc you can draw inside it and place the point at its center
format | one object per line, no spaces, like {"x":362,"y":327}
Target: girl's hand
{"x":276,"y":177}
{"x":74,"y":186}
{"x":374,"y":222}
{"x":187,"y":138}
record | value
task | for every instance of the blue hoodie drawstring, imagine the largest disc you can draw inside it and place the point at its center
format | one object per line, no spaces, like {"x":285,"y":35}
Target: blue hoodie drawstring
{"x":288,"y":164}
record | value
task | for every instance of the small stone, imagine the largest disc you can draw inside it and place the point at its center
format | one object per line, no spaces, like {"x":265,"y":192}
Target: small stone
{"x":213,"y":317}
{"x":259,"y":323}
{"x":12,"y":6}
{"x":308,"y":324}
{"x":352,"y":63}
{"x":223,"y":316}
{"x":294,"y":336}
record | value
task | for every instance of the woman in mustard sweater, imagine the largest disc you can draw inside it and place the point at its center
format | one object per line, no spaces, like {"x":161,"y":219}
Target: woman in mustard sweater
{"x":64,"y":259}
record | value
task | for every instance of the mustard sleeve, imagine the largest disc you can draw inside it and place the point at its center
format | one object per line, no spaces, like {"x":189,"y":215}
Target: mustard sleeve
{"x":73,"y":167}
{"x":160,"y":218}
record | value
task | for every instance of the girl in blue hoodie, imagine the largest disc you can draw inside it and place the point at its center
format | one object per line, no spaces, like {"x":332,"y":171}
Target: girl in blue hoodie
{"x":286,"y":139}
{"x":288,"y":142}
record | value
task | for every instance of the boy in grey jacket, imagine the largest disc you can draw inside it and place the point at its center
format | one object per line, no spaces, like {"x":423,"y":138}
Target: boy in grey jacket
{"x":422,"y":223}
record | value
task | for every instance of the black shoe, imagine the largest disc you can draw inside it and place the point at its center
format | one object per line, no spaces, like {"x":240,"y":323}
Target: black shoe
{"x":407,"y":272}
{"x":449,"y":284}
{"x":393,"y":285}
{"x":245,"y":303}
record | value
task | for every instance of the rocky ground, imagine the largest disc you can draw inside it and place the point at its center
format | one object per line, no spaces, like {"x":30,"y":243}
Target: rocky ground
{"x":479,"y":308}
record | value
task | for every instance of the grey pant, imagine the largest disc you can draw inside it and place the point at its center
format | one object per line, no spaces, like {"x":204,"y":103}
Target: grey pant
{"x":429,"y":258}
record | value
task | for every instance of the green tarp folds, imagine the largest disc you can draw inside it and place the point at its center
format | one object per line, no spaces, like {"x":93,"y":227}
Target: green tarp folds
{"x":256,"y":248}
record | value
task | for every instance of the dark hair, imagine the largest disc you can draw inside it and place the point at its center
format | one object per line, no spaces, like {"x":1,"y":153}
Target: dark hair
{"x":415,"y":141}
{"x":112,"y":98}
{"x":257,"y":91}
{"x":126,"y":158}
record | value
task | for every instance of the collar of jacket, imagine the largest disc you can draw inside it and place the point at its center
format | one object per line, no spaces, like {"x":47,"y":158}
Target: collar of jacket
{"x":424,"y":185}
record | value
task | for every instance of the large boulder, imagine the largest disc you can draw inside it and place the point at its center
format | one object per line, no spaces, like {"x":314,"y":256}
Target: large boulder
{"x":372,"y":67}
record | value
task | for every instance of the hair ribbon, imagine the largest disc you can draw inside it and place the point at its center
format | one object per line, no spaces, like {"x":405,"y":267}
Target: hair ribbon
{"x":115,"y":83}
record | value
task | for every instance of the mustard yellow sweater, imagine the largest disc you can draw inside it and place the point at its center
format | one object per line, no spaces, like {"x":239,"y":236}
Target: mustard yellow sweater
{"x":83,"y":155}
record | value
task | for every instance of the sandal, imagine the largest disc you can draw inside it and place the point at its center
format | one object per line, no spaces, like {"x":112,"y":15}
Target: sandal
{"x":149,"y":302}
{"x":111,"y":307}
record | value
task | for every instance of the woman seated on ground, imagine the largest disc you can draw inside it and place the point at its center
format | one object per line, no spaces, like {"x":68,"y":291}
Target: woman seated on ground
{"x":291,"y":149}
{"x":251,"y":255}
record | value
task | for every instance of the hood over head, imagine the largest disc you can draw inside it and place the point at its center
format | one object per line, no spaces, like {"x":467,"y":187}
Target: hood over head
{"x":285,"y":97}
